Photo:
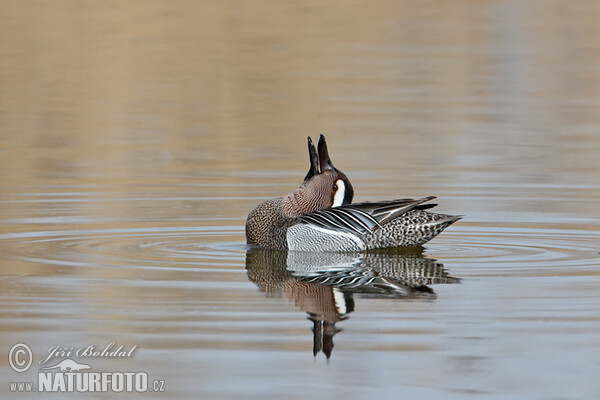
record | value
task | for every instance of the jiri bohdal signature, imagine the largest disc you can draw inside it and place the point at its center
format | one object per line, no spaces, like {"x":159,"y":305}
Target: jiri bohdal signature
{"x":91,"y":350}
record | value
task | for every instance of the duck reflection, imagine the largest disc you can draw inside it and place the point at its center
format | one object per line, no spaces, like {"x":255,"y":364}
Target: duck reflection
{"x":324,"y":284}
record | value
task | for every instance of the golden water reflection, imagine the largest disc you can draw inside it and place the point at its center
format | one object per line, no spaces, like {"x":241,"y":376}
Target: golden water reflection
{"x":324,"y":284}
{"x":135,"y":137}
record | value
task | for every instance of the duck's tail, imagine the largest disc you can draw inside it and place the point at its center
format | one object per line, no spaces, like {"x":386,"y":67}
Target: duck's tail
{"x":414,"y":228}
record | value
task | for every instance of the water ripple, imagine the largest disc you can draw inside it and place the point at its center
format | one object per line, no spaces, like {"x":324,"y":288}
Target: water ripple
{"x":519,"y":248}
{"x":155,"y":246}
{"x":165,"y":247}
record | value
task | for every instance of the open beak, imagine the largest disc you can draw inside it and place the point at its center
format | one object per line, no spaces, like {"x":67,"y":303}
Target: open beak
{"x":324,"y":160}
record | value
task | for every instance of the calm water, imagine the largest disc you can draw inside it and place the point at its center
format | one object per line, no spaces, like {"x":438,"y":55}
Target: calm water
{"x":135,"y":137}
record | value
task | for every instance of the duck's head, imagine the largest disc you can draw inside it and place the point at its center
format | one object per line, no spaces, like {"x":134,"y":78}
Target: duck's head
{"x":327,"y":185}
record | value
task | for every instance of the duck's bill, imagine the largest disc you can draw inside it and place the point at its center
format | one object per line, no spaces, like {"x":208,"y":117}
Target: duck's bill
{"x":324,"y":160}
{"x":314,"y":160}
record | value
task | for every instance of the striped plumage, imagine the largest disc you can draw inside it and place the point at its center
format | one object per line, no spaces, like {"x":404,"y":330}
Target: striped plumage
{"x":363,"y":226}
{"x":319,"y":216}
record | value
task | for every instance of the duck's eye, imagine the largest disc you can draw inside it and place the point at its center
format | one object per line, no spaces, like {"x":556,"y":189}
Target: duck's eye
{"x":335,"y":187}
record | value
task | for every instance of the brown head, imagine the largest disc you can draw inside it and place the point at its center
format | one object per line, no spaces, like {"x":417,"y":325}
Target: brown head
{"x":324,"y":186}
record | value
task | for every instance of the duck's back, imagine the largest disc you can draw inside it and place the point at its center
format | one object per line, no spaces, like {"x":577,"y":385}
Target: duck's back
{"x":371,"y":225}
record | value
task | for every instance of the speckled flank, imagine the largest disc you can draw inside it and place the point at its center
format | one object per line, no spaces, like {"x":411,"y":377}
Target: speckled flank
{"x":411,"y":229}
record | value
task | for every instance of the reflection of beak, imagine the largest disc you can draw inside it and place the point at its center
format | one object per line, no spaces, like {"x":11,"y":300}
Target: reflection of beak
{"x":323,"y":332}
{"x":313,"y":299}
{"x":325,"y":306}
{"x":314,"y":160}
{"x":324,"y":160}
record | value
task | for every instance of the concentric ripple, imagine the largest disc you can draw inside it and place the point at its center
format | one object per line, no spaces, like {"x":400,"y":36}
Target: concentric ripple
{"x":481,"y":248}
{"x":521,"y":249}
{"x":165,"y":247}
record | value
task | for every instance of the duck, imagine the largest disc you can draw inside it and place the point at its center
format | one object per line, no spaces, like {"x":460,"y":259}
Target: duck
{"x":319,"y":216}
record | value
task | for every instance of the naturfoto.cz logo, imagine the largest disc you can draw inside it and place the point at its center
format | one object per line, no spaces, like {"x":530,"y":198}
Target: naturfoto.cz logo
{"x":69,"y":375}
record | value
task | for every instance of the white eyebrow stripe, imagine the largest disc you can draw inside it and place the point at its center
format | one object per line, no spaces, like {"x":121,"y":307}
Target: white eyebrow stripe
{"x":338,"y":198}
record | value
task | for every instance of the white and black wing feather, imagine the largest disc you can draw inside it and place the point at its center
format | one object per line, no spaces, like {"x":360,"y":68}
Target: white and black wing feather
{"x":363,"y":218}
{"x":342,"y":219}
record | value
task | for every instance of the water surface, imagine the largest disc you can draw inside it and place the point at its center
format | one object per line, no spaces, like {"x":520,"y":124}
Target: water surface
{"x":135,"y":139}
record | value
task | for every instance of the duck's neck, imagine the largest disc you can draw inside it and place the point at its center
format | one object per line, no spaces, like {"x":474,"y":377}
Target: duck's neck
{"x":302,"y":202}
